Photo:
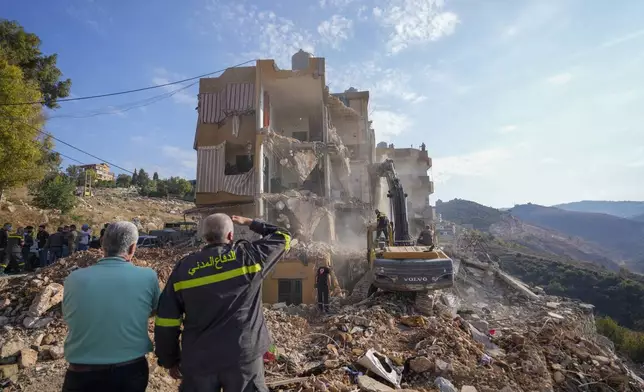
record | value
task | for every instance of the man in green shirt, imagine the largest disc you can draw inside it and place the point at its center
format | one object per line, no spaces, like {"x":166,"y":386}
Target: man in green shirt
{"x":106,"y":307}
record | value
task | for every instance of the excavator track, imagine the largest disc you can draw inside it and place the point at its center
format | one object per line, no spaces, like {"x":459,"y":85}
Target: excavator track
{"x":424,"y":302}
{"x":363,"y":288}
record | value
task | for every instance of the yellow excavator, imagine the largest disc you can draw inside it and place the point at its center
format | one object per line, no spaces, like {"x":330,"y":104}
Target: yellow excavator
{"x":398,"y":263}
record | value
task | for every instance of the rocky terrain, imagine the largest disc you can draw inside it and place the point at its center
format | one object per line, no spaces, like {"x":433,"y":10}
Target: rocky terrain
{"x":483,"y":335}
{"x":106,"y":205}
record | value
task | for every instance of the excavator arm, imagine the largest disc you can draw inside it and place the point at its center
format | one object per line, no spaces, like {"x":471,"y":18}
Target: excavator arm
{"x":398,"y":201}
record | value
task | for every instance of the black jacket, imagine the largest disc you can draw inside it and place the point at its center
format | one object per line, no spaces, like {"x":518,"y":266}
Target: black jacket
{"x":4,"y":236}
{"x":216,"y":293}
{"x":42,"y":238}
{"x":14,"y":244}
{"x":56,"y":240}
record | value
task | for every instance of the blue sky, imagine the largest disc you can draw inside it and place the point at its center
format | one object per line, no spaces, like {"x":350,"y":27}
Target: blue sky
{"x":518,"y":101}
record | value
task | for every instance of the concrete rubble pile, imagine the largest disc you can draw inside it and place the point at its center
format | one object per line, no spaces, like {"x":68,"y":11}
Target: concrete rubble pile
{"x":33,"y":332}
{"x":382,"y":345}
{"x":480,"y":336}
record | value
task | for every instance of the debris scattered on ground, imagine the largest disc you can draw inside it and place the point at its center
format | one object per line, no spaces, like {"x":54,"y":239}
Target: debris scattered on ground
{"x":480,"y":336}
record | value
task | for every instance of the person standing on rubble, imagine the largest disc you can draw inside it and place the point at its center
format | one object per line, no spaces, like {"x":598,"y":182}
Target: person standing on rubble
{"x":41,"y":237}
{"x":107,"y":307}
{"x":54,"y":245}
{"x":382,"y":225}
{"x":217,"y":294}
{"x":15,"y":242}
{"x":84,"y":237}
{"x":26,"y":248}
{"x":4,"y":253}
{"x":65,"y":246}
{"x":323,"y":284}
{"x":72,"y":239}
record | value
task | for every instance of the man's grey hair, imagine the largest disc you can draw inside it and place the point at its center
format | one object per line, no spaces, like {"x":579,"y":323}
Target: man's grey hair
{"x":215,"y":228}
{"x":118,"y":238}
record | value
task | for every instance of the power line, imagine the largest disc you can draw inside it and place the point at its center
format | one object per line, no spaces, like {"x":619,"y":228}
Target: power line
{"x":119,"y":109}
{"x":68,"y":157}
{"x":136,"y":90}
{"x":69,"y":145}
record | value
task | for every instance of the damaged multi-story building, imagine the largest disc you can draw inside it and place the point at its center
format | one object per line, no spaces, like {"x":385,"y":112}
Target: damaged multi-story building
{"x":274,"y":144}
{"x":413,"y":166}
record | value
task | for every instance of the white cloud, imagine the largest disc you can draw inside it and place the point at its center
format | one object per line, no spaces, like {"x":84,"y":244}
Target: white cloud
{"x":624,"y":38}
{"x":559,"y":79}
{"x":475,"y":164}
{"x":549,"y":160}
{"x":335,"y":3}
{"x":508,"y":128}
{"x":179,"y":92}
{"x":388,"y":124}
{"x":510,"y":31}
{"x":186,"y":158}
{"x":362,"y":13}
{"x":116,"y":111}
{"x":381,"y":82}
{"x":268,"y":34}
{"x":415,"y":21}
{"x":335,"y":30}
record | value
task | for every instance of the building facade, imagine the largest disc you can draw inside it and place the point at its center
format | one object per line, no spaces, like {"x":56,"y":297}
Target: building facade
{"x":274,"y":144}
{"x":413,"y":167}
{"x":102,"y":171}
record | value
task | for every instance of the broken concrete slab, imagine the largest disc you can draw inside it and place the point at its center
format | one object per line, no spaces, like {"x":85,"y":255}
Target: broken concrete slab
{"x":368,"y":384}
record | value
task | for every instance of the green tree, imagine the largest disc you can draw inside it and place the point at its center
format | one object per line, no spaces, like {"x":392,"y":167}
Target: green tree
{"x":142,"y":179}
{"x":155,"y":176}
{"x":22,"y":49}
{"x":123,"y":181}
{"x":55,"y":192}
{"x":22,"y":149}
{"x":162,"y":188}
{"x":75,"y":173}
{"x":50,"y":160}
{"x":178,"y":186}
{"x":149,"y":189}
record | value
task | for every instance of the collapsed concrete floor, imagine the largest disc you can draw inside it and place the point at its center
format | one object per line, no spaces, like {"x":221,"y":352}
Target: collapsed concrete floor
{"x":481,"y":335}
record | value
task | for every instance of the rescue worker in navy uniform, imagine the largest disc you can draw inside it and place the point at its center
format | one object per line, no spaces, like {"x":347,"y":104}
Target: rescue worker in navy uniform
{"x":382,"y":225}
{"x":216,"y":293}
{"x":426,"y":237}
{"x":4,"y":253}
{"x":322,"y":283}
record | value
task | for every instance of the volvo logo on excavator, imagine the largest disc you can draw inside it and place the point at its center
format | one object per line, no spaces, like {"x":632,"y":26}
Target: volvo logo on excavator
{"x":416,"y":279}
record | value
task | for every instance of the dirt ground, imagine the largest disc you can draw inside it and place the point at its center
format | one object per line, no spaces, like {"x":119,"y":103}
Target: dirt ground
{"x":105,"y":206}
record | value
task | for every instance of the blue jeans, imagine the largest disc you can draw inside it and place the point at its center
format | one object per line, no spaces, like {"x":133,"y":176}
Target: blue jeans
{"x":82,"y":247}
{"x":54,"y":254}
{"x":65,"y":251}
{"x":43,"y":257}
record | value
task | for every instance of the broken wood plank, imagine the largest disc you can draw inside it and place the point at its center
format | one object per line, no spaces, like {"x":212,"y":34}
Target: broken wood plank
{"x":278,"y":383}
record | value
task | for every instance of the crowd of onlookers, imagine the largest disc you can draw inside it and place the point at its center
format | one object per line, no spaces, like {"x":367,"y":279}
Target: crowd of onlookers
{"x":25,"y":249}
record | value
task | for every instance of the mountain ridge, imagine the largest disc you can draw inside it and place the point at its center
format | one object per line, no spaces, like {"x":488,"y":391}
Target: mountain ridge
{"x":622,"y":209}
{"x":619,"y":236}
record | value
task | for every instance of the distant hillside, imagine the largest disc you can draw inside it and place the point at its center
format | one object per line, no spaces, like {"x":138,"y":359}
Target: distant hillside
{"x":464,"y":212}
{"x":622,"y":209}
{"x":618,"y":235}
{"x":638,"y":218}
{"x":552,"y":243}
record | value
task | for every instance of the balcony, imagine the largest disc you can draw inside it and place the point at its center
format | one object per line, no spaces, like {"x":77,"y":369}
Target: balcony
{"x":426,"y":184}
